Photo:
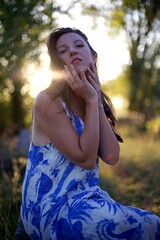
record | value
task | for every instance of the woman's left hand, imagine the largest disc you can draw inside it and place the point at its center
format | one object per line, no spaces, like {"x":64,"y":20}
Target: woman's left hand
{"x":93,"y":78}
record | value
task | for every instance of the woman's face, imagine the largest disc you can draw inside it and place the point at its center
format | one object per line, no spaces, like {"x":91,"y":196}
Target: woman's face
{"x":73,"y":49}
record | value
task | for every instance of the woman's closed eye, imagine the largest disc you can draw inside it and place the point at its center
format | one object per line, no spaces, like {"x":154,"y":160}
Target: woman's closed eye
{"x":62,"y":51}
{"x":79,"y":45}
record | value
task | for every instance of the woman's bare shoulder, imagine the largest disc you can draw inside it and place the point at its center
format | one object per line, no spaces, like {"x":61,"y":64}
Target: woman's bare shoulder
{"x":44,"y":102}
{"x":44,"y":115}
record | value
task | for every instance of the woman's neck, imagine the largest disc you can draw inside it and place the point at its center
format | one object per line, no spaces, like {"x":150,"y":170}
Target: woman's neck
{"x":77,"y":105}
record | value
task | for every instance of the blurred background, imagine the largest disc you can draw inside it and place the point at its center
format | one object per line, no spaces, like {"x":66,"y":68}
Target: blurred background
{"x":126,"y":36}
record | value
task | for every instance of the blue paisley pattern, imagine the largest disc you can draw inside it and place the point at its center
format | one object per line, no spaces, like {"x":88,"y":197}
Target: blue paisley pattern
{"x":63,"y":201}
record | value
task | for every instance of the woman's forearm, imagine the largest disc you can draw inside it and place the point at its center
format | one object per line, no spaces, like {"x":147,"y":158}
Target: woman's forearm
{"x":108,"y":144}
{"x":89,"y":140}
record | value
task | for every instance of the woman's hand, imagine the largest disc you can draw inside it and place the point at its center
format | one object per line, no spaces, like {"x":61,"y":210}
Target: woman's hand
{"x":94,"y":80}
{"x":79,"y":83}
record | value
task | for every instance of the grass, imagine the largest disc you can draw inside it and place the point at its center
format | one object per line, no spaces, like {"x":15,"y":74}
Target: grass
{"x":10,"y":198}
{"x":134,"y":180}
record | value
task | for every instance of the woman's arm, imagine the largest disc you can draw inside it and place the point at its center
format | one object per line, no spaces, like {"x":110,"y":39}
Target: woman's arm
{"x":53,"y":122}
{"x":108,"y":144}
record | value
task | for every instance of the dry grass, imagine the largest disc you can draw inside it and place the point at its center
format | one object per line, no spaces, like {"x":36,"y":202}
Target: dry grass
{"x":135,"y":179}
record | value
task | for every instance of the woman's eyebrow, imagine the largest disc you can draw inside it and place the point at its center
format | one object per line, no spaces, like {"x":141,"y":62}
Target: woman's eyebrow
{"x":63,"y":45}
{"x":79,"y":40}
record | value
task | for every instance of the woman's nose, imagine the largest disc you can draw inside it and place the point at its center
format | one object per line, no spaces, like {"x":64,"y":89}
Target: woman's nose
{"x":73,"y":51}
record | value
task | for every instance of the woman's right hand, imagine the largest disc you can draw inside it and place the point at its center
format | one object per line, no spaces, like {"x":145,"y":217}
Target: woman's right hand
{"x":79,"y":84}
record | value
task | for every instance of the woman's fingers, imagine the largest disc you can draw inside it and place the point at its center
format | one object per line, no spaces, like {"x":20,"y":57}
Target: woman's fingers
{"x":73,"y":72}
{"x":79,"y":83}
{"x":82,"y":76}
{"x":93,"y":68}
{"x":73,"y":76}
{"x":94,"y":79}
{"x":94,"y":84}
{"x":68,"y":77}
{"x":93,"y":73}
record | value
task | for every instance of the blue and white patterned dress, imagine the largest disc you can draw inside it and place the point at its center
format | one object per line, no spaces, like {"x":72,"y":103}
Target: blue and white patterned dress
{"x":63,"y":201}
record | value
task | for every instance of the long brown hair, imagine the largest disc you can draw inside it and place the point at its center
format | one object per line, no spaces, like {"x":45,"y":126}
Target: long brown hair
{"x":58,"y":85}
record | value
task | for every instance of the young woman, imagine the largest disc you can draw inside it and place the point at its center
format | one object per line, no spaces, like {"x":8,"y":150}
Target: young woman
{"x":73,"y":125}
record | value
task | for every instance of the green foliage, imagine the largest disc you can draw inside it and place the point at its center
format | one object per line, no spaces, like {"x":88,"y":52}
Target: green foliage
{"x":121,"y":85}
{"x":90,"y":10}
{"x":153,"y":127}
{"x":141,"y":21}
{"x":24,"y":26}
{"x":119,"y":15}
{"x":4,"y":108}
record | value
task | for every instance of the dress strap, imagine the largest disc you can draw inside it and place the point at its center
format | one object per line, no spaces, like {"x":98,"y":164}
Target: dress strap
{"x":78,"y":124}
{"x":74,"y":118}
{"x":66,"y":109}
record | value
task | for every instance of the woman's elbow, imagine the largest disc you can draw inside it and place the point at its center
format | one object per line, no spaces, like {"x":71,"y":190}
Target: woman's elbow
{"x":88,"y":163}
{"x":111,"y":158}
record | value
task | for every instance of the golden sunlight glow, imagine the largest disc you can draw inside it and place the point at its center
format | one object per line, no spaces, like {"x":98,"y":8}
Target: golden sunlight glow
{"x":119,"y":102}
{"x":39,"y":80}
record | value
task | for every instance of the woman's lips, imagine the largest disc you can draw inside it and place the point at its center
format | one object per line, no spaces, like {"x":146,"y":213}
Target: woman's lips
{"x":76,"y":60}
